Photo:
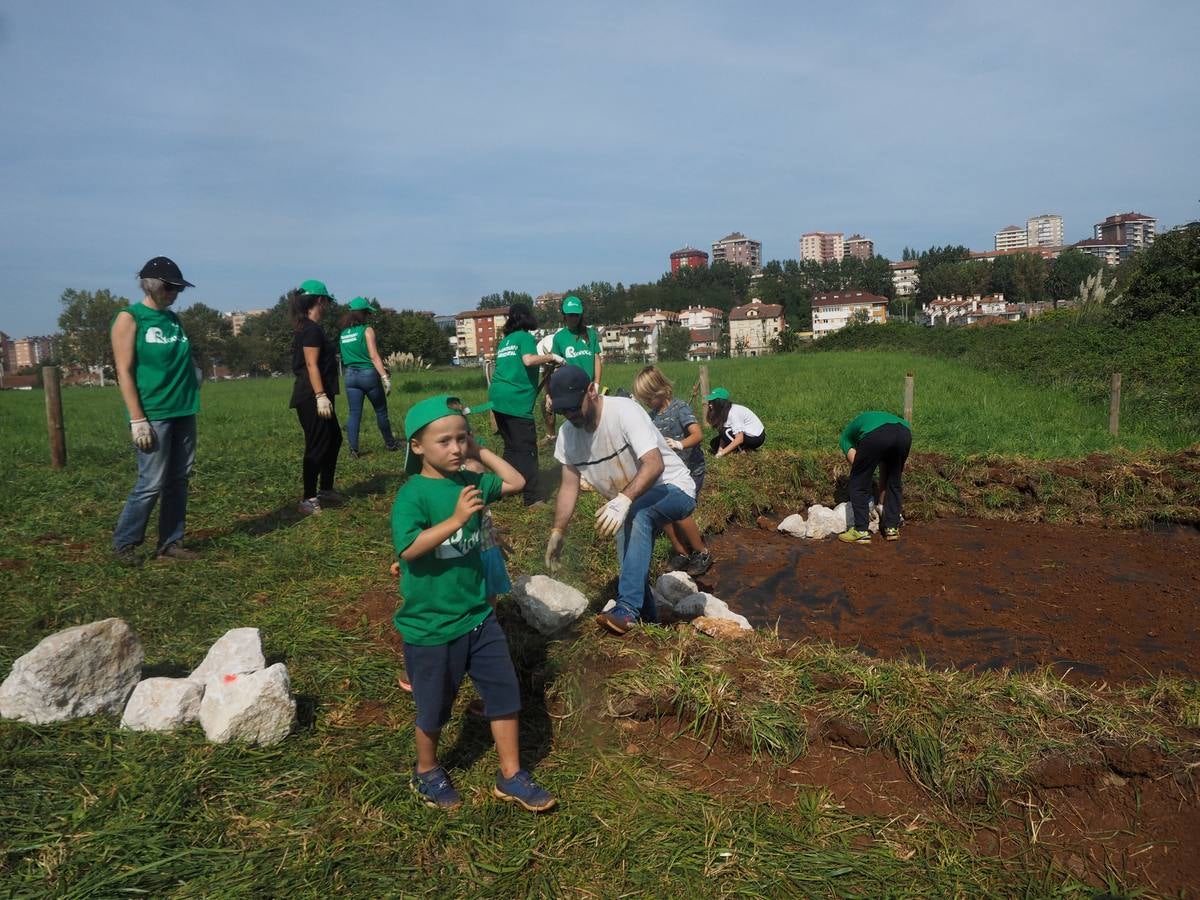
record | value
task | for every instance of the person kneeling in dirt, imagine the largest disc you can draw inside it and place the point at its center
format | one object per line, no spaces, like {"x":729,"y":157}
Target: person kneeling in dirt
{"x":875,"y":439}
{"x":612,"y":442}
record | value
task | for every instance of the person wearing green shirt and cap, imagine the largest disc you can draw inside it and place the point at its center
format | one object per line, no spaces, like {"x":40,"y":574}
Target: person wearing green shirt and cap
{"x":160,"y":386}
{"x":314,"y":363}
{"x":365,"y":373}
{"x":579,"y":345}
{"x":875,"y":439}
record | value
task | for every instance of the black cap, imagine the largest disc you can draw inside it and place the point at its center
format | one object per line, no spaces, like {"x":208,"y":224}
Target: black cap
{"x":164,"y":270}
{"x":568,"y":384}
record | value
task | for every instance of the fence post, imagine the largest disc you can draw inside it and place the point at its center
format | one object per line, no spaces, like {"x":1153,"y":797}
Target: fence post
{"x":908,"y":397}
{"x":54,"y":417}
{"x":703,"y":393}
{"x":1114,"y":405}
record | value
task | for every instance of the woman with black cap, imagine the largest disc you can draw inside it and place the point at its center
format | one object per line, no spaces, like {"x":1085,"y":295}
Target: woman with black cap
{"x":314,"y":363}
{"x":160,"y":387}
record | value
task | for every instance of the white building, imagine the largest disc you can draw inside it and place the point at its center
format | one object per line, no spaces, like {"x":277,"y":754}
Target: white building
{"x":1044,"y":231}
{"x":832,"y":311}
{"x":753,"y":326}
{"x":905,"y":278}
{"x":701,"y":317}
{"x":823,"y":246}
{"x":959,"y":310}
{"x":1010,"y":237}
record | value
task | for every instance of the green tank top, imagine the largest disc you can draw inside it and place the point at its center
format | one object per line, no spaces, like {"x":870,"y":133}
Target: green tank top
{"x":353,"y":346}
{"x":162,"y":364}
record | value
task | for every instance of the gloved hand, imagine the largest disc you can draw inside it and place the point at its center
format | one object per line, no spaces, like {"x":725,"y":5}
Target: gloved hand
{"x":324,"y":406}
{"x":674,"y":444}
{"x":387,"y":384}
{"x":611,"y":516}
{"x":143,"y":434}
{"x":558,"y":360}
{"x":554,"y":549}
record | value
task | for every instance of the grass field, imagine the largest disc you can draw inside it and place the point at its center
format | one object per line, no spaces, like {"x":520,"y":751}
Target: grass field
{"x":88,"y":810}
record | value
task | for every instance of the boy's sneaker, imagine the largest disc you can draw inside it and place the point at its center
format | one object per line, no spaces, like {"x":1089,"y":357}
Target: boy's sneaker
{"x":435,"y":789}
{"x":891,"y":534}
{"x":699,"y":563}
{"x":176,"y":550}
{"x":618,"y":620}
{"x":678,"y":562}
{"x":309,"y":507}
{"x":522,"y":789}
{"x":854,"y":536}
{"x":126,"y":556}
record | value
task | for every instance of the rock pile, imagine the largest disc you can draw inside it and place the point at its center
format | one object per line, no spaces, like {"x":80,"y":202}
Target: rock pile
{"x":822,"y":521}
{"x":94,"y":669}
{"x":677,"y":592}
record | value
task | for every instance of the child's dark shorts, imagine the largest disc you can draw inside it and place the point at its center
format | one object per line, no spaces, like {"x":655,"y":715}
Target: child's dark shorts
{"x":437,"y":672}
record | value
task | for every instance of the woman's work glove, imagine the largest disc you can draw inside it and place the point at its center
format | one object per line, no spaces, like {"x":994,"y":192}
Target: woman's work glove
{"x":142,"y":434}
{"x":387,"y":384}
{"x":674,"y":444}
{"x":324,"y":407}
{"x":611,"y":516}
{"x":554,"y":549}
{"x":558,"y":360}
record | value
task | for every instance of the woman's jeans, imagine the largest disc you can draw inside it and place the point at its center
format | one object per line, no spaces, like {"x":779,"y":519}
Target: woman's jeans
{"x":163,"y":470}
{"x":360,"y":382}
{"x":662,"y":504}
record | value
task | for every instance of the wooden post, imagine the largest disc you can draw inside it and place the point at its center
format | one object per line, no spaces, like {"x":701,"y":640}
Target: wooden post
{"x":908,"y":397}
{"x":703,"y":393}
{"x":1114,"y":406}
{"x":487,"y":376}
{"x":54,"y":417}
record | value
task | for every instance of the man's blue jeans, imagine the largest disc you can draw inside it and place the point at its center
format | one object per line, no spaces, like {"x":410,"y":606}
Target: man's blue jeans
{"x":360,"y":383}
{"x":661,"y":504}
{"x":164,"y":470}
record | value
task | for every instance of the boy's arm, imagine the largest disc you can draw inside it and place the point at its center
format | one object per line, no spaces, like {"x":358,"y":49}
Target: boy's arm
{"x":470,"y":501}
{"x":513,"y":481}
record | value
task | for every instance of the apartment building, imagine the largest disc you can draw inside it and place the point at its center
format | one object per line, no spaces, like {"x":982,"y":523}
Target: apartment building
{"x":633,"y":342}
{"x":478,"y":332}
{"x":822,"y":246}
{"x":657,"y":317}
{"x":905,"y":279}
{"x":1010,"y":237}
{"x":1109,"y":252}
{"x":738,"y":250}
{"x":1134,"y":231}
{"x":859,"y":247}
{"x":752,"y":328}
{"x":706,"y":343}
{"x":701,"y":317}
{"x":993,"y":255}
{"x":1044,"y":231}
{"x":688,"y":257}
{"x":959,"y":310}
{"x":548,"y":300}
{"x":833,"y":311}
{"x":238,"y":319}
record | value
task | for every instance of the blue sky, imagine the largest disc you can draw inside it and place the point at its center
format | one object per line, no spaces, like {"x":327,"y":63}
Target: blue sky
{"x":428,"y":154}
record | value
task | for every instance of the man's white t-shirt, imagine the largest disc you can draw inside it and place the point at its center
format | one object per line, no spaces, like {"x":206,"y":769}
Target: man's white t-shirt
{"x":742,"y":419}
{"x":608,"y":457}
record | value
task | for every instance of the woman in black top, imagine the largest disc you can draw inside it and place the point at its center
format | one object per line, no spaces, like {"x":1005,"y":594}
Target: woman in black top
{"x":314,"y":362}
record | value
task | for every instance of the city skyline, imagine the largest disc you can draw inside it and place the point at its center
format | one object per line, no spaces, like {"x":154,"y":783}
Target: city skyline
{"x":429,"y":161}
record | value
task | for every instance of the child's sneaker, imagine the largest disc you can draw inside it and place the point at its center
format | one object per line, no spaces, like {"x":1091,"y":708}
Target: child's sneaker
{"x":699,"y":563}
{"x":435,"y":789}
{"x":618,"y":620}
{"x":309,"y":507}
{"x":891,"y":534}
{"x":522,"y":789}
{"x":854,"y":536}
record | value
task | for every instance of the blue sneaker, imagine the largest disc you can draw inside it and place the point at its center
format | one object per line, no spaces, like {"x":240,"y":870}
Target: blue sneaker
{"x":522,"y":789}
{"x":618,"y":620}
{"x":435,"y":789}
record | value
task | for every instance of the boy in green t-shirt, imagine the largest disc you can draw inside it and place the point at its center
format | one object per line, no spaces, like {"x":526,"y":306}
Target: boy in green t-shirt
{"x":448,"y":625}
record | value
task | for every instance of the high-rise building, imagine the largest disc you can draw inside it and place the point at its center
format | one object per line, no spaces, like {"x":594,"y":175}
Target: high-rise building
{"x":905,"y":279}
{"x":1010,"y":237}
{"x":1044,"y":231}
{"x":859,"y":247}
{"x":479,"y":331}
{"x":822,"y":246}
{"x":237,"y":319}
{"x":688,"y":257}
{"x":28,"y":352}
{"x":738,"y":250}
{"x":1134,"y":230}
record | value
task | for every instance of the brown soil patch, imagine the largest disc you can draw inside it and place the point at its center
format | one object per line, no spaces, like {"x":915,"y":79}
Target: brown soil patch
{"x":13,"y":565}
{"x":986,"y":594}
{"x":373,"y":611}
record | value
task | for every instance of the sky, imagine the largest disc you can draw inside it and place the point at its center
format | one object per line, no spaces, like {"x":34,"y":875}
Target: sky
{"x":429,"y":154}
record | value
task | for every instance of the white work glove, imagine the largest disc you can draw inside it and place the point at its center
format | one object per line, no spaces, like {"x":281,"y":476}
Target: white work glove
{"x":674,"y":444}
{"x":387,"y":384}
{"x":611,"y":516}
{"x":143,"y":434}
{"x":324,"y":407}
{"x":558,"y":360}
{"x":554,"y":549}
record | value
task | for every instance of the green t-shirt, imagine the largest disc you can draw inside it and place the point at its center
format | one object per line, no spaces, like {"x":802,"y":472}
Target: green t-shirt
{"x":514,"y":384}
{"x":353,"y":346}
{"x":864,"y":424}
{"x":578,"y":351}
{"x":162,"y":364}
{"x":444,"y":591}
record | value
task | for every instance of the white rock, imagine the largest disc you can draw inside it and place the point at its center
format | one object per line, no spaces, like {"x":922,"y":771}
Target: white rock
{"x":77,"y":672}
{"x":794,"y":525}
{"x":163,"y":704}
{"x":823,"y":521}
{"x":546,"y":604}
{"x":256,"y":707}
{"x":705,"y":604}
{"x":236,"y":652}
{"x":672,"y":587}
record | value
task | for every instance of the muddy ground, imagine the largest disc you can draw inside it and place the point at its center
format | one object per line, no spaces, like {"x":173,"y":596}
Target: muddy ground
{"x":988,"y":594}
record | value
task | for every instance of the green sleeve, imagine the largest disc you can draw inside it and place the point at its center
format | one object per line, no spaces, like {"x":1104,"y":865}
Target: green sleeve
{"x":558,"y":345}
{"x":491,"y":486}
{"x":409,"y":518}
{"x":846,"y":440}
{"x":526,"y":343}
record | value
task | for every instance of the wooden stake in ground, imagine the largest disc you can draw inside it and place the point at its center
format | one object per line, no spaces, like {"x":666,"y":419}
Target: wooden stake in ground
{"x":703,"y":393}
{"x":487,"y":376}
{"x":908,"y":397}
{"x":1114,"y":405}
{"x":54,"y":417}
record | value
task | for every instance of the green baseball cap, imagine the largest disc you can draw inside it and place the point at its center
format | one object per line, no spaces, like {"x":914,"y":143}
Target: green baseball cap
{"x":315,"y":288}
{"x":717,"y":394}
{"x":362,"y":303}
{"x":572,"y":304}
{"x":421,"y":414}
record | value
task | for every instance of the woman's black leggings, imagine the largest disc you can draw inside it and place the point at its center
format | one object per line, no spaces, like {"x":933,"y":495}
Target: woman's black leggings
{"x":724,"y":439}
{"x":520,"y":450}
{"x":322,"y":440}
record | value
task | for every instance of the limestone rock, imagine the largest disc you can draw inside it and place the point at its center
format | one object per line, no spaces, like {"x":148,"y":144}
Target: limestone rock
{"x":546,"y":604}
{"x":256,"y":707}
{"x":722,"y":629}
{"x":823,"y":521}
{"x":794,"y":525}
{"x":163,"y":704}
{"x":705,"y":604}
{"x":673,"y":587}
{"x":76,"y":672}
{"x":236,"y":652}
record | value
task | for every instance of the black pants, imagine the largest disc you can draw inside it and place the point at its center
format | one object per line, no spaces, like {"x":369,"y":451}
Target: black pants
{"x":724,"y":439}
{"x":520,"y":450}
{"x":886,"y":446}
{"x":322,"y":440}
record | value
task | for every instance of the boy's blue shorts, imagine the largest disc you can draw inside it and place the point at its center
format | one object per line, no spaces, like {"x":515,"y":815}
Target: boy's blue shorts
{"x":437,"y":672}
{"x":495,"y":575}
